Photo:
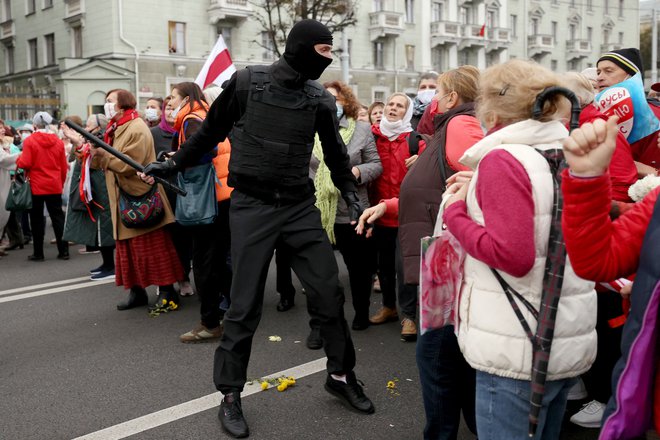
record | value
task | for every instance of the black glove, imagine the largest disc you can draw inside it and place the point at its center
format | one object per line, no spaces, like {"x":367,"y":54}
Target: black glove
{"x":161,"y":169}
{"x":354,"y":207}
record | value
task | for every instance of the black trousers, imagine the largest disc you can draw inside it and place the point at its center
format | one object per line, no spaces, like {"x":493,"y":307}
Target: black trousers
{"x":284,"y":279}
{"x":359,"y":256}
{"x":53,"y":204}
{"x":13,"y":229}
{"x":256,"y":227}
{"x":210,"y":247}
{"x":390,"y":272}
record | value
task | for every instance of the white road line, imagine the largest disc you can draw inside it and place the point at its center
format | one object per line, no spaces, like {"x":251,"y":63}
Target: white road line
{"x":55,"y":290}
{"x":191,"y":407}
{"x":42,"y":286}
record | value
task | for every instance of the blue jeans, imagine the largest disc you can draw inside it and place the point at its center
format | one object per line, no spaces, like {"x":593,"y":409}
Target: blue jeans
{"x":448,"y":384}
{"x":503,"y":408}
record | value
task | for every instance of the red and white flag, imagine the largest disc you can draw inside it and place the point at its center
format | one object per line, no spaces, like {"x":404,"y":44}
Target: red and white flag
{"x":218,"y":67}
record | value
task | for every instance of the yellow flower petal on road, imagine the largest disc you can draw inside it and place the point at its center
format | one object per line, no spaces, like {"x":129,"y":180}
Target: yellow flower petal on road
{"x":275,"y":338}
{"x":264,"y":385}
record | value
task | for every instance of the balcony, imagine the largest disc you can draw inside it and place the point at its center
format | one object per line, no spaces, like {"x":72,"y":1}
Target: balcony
{"x":74,"y":12}
{"x":540,"y":44}
{"x":609,"y":47}
{"x":498,"y":39}
{"x":7,"y":30}
{"x":235,"y":10}
{"x":445,"y":32}
{"x":471,"y":37}
{"x":578,"y":49}
{"x":385,"y":24}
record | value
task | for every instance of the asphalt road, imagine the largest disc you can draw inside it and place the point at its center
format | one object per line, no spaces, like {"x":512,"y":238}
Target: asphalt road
{"x":72,"y":365}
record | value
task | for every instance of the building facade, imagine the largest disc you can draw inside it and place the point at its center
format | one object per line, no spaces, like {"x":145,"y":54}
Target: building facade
{"x":67,"y":53}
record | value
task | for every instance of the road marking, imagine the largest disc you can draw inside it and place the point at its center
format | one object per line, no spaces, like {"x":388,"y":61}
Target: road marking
{"x":54,"y":290}
{"x":42,"y":286}
{"x":191,"y":407}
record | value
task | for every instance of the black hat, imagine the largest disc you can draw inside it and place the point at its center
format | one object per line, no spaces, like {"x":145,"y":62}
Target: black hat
{"x":299,"y":52}
{"x":628,"y":59}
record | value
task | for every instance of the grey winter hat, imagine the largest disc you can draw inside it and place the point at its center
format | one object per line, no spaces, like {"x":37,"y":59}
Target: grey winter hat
{"x":42,"y":119}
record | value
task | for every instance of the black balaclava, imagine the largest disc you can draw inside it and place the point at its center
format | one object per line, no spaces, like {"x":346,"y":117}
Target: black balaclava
{"x":299,"y":51}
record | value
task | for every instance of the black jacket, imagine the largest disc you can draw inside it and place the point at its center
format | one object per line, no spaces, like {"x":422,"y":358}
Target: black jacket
{"x":227,"y":110}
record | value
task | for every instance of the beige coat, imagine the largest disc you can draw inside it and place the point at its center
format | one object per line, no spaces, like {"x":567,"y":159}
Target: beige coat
{"x":134,"y":140}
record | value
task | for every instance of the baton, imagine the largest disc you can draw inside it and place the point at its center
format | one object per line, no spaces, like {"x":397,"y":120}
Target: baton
{"x":121,"y":156}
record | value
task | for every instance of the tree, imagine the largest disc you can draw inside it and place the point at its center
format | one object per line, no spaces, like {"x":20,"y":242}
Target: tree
{"x":645,"y":45}
{"x":278,"y":16}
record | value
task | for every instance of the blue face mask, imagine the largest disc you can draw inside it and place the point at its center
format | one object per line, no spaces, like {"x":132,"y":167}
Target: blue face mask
{"x":340,"y":110}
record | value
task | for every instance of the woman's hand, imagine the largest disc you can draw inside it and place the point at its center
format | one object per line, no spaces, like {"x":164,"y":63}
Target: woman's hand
{"x":626,"y":291}
{"x":97,"y":152}
{"x":72,"y":135}
{"x":460,"y":177}
{"x":411,"y":160}
{"x":368,"y":217}
{"x":146,"y":179}
{"x":356,"y":172}
{"x":457,"y":192}
{"x":588,"y":150}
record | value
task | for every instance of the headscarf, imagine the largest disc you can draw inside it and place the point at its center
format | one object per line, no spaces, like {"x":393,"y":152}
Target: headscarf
{"x":393,"y":130}
{"x":164,"y":125}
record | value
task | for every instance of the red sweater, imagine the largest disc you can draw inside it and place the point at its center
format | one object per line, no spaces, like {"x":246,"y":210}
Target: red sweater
{"x":44,"y":159}
{"x":393,"y":155}
{"x":601,"y":249}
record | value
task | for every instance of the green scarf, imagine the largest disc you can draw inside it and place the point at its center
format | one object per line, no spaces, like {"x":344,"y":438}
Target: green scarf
{"x":327,"y":195}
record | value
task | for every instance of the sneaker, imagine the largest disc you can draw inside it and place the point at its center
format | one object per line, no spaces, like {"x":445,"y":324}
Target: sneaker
{"x":201,"y":334}
{"x":83,"y":251}
{"x":350,"y":392}
{"x":105,"y":274}
{"x":590,"y":415}
{"x":185,"y":289}
{"x":578,"y":391}
{"x":96,"y":270}
{"x":408,"y":330}
{"x":231,"y":416}
{"x":385,"y":314}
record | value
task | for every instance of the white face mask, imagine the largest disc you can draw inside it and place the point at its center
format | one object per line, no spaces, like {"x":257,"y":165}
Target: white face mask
{"x":425,"y":96}
{"x":109,"y":109}
{"x":25,"y":135}
{"x":176,"y":111}
{"x":151,"y":114}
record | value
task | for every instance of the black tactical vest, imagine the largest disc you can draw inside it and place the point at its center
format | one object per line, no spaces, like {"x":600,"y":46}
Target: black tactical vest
{"x":272,"y":142}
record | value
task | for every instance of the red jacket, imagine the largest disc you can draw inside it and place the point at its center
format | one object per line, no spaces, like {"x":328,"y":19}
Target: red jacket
{"x":393,"y":155}
{"x":601,"y":249}
{"x":44,"y":160}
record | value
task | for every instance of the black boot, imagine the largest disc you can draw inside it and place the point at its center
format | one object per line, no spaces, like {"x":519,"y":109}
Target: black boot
{"x":314,"y":341}
{"x":350,"y":392}
{"x":286,"y":303}
{"x":231,"y":416}
{"x":165,"y":295}
{"x":136,"y":297}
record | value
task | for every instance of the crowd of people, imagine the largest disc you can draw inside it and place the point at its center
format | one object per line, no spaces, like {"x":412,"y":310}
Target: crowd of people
{"x":275,"y":163}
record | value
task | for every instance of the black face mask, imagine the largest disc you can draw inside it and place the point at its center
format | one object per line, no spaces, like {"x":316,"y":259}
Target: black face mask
{"x":300,"y":53}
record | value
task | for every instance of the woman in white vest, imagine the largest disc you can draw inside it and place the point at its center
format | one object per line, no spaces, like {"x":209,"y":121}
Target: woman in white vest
{"x":503,"y":217}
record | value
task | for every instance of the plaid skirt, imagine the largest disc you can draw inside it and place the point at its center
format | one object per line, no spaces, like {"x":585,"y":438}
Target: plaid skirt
{"x":146,"y":260}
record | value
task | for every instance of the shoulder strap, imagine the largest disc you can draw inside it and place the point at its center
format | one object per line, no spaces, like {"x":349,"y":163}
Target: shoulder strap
{"x":510,"y":293}
{"x":313,"y":89}
{"x":413,"y":143}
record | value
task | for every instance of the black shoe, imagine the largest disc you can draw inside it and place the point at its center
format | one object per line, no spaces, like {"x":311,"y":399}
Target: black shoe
{"x":36,"y":258}
{"x":314,"y":341}
{"x":14,"y":247}
{"x":231,"y":416}
{"x":164,"y":298}
{"x":135,"y":298}
{"x":27,"y":240}
{"x":360,"y":324}
{"x":63,"y":256}
{"x":285,"y":304}
{"x":350,"y":393}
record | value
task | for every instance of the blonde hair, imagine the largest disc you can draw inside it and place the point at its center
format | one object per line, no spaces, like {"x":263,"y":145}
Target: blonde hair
{"x":581,"y":86}
{"x":463,"y":80}
{"x":508,"y":91}
{"x":407,"y":99}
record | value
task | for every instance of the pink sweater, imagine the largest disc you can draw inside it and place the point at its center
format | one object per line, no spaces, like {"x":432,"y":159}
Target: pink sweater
{"x":504,"y":193}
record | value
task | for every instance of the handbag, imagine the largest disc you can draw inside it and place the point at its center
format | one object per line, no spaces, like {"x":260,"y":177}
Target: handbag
{"x":20,"y":194}
{"x":137,"y":212}
{"x":200,"y":206}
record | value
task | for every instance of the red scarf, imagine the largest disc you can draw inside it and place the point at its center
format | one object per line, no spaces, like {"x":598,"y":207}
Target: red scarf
{"x":129,"y":115}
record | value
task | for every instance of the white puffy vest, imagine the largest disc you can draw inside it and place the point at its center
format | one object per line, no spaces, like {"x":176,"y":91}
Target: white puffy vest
{"x":489,"y":333}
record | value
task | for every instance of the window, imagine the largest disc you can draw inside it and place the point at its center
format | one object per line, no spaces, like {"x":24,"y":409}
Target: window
{"x":9,"y":60}
{"x":410,"y":15}
{"x":437,"y":10}
{"x":466,"y":15}
{"x":30,"y":7}
{"x":534,"y":26}
{"x":553,"y":65}
{"x":620,"y":37}
{"x":177,"y":37}
{"x":379,"y":95}
{"x":33,"y":54}
{"x":554,"y":31}
{"x":6,"y":10}
{"x":572,"y":31}
{"x":513,"y":24}
{"x":607,"y":6}
{"x":226,"y":35}
{"x":621,"y":8}
{"x":590,"y":33}
{"x":48,"y":4}
{"x":378,"y":5}
{"x":76,"y":42}
{"x":268,"y":46}
{"x":491,"y":19}
{"x":572,"y":3}
{"x":574,"y":65}
{"x":379,"y":50}
{"x":590,"y":5}
{"x":606,"y":36}
{"x":49,"y":46}
{"x":350,"y":53}
{"x":410,"y":57}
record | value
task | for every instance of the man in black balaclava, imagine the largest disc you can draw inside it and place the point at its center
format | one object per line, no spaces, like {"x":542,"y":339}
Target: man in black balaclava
{"x":273,"y":113}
